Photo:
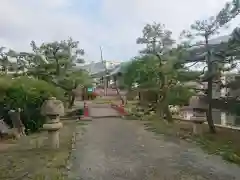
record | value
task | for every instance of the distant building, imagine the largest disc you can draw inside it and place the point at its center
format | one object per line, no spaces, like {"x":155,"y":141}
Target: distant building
{"x":97,"y":69}
{"x":198,"y":106}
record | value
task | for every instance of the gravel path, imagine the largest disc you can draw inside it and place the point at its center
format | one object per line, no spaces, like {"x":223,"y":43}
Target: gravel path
{"x":116,"y":149}
{"x":99,"y":111}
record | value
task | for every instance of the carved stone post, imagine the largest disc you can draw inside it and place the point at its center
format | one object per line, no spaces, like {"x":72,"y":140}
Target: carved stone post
{"x":52,"y":109}
{"x":197,"y":125}
{"x":18,"y":126}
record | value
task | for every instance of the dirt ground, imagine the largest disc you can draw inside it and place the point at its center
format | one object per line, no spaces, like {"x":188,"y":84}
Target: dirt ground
{"x":30,"y":158}
{"x":117,"y":149}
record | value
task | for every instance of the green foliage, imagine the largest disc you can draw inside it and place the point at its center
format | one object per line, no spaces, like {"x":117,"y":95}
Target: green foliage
{"x":215,"y":60}
{"x":28,"y":94}
{"x":62,"y":55}
{"x":157,"y":39}
{"x":92,"y":95}
{"x":179,"y":95}
{"x":57,"y":67}
{"x":57,"y":60}
{"x":79,"y":77}
{"x":52,"y":64}
{"x":4,"y":59}
{"x":140,"y":71}
{"x":143,"y":70}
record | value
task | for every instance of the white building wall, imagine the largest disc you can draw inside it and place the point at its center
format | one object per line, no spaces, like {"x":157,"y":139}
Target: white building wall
{"x":228,"y":119}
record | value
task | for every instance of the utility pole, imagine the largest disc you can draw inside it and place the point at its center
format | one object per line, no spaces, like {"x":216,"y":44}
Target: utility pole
{"x":105,"y":74}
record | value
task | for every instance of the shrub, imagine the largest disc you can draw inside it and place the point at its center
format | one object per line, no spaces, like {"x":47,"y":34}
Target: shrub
{"x":28,"y":94}
{"x":92,"y":95}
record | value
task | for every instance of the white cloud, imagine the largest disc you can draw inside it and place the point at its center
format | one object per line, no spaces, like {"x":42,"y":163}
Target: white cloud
{"x":116,"y":30}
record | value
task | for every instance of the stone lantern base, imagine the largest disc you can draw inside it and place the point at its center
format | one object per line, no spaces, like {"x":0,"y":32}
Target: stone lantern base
{"x":52,"y":109}
{"x":197,"y":125}
{"x":53,"y":133}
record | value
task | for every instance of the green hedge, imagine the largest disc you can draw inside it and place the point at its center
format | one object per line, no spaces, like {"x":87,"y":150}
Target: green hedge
{"x":28,"y":94}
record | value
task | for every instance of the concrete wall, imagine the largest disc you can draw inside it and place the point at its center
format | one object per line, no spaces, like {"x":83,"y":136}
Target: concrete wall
{"x":216,"y":114}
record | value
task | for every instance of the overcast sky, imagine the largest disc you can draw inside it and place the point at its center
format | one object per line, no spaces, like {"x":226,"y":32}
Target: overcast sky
{"x":113,"y":24}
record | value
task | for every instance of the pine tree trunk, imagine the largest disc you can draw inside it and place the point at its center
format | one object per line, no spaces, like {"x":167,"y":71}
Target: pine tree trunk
{"x":209,"y":111}
{"x":210,"y":88}
{"x":118,"y":92}
{"x":159,"y":110}
{"x":119,"y":95}
{"x":71,"y":100}
{"x":139,"y":96}
{"x":163,"y":108}
{"x":168,"y":114}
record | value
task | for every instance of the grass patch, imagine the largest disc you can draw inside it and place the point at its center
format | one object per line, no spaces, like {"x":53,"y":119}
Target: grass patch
{"x":225,"y":143}
{"x":30,"y":158}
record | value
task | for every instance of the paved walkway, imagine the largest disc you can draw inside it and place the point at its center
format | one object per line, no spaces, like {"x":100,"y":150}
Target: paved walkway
{"x":116,"y":149}
{"x":102,"y":110}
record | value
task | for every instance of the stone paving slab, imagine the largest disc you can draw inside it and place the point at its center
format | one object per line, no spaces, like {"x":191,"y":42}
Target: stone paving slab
{"x":98,"y":112}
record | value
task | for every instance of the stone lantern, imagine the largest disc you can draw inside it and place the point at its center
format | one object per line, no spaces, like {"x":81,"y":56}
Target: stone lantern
{"x":52,"y":109}
{"x":198,"y":117}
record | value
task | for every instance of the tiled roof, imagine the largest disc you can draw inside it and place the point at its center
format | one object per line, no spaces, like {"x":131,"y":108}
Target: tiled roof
{"x":99,"y":68}
{"x":120,"y":68}
{"x":93,"y":68}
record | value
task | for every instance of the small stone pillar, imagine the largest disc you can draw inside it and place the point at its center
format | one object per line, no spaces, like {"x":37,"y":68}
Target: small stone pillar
{"x":18,"y":126}
{"x":197,"y":125}
{"x":52,"y":109}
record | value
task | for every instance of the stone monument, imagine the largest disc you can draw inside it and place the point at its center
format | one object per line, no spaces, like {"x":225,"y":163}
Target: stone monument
{"x":52,"y":109}
{"x":195,"y":112}
{"x":18,"y":126}
{"x":199,"y":114}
